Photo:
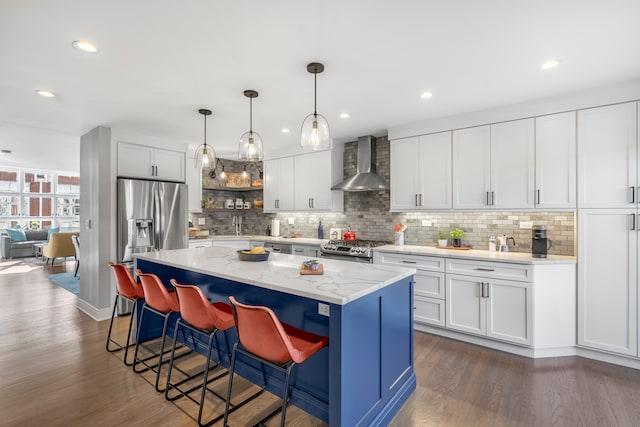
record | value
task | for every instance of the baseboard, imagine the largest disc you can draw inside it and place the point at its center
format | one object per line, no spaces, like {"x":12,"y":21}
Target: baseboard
{"x":499,"y":345}
{"x":97,"y":314}
{"x":628,"y":361}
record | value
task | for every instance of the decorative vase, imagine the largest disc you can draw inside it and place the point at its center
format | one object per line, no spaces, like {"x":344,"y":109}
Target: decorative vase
{"x":456,"y":243}
{"x":398,"y":238}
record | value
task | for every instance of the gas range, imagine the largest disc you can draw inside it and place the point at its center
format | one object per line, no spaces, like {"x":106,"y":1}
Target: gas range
{"x":350,"y":250}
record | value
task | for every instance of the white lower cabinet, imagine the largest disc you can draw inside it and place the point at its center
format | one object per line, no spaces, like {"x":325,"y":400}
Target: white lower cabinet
{"x":236,"y":244}
{"x":200,"y":243}
{"x":495,"y":308}
{"x":306,"y":250}
{"x":428,"y":287}
{"x":608,"y":280}
{"x":525,"y":308}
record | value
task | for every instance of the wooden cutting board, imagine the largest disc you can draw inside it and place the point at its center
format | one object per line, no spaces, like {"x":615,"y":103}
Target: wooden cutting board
{"x":304,"y":270}
{"x":457,"y":248}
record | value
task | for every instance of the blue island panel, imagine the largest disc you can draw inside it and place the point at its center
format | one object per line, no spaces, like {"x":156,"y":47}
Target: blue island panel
{"x":362,"y":378}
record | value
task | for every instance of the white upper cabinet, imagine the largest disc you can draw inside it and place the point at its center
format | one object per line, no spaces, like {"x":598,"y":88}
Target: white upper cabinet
{"x":556,"y":161}
{"x":194,"y":181}
{"x":607,"y":157}
{"x":472,"y":168}
{"x":312,"y":182}
{"x":493,"y":166}
{"x":303,"y":183}
{"x":421,"y":172}
{"x":141,"y":161}
{"x":278,"y":185}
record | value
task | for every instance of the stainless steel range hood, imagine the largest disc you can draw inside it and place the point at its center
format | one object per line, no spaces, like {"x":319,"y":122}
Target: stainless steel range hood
{"x":366,"y":178}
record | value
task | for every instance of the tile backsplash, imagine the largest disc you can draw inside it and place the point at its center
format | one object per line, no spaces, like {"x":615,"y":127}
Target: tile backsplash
{"x":367,"y":213}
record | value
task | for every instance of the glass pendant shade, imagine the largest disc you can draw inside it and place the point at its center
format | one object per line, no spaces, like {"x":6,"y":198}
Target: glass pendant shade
{"x":250,"y":147}
{"x":205,"y":155}
{"x":315,"y":133}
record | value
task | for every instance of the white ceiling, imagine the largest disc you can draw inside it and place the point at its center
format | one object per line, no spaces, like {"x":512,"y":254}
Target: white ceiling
{"x":159,"y":61}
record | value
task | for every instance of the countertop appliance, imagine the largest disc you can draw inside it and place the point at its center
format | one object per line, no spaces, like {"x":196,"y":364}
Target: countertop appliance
{"x":540,"y":244}
{"x":350,"y":250}
{"x":152,"y":215}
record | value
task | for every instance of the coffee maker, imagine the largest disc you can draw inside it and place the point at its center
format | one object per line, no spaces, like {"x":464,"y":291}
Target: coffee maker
{"x":540,"y":244}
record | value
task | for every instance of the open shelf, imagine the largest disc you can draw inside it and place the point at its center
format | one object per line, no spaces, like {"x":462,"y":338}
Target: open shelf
{"x":234,"y":189}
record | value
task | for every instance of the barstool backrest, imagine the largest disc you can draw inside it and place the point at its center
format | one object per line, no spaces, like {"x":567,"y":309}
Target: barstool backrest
{"x":260,"y":332}
{"x":196,"y":309}
{"x":125,"y":283}
{"x":156,"y":295}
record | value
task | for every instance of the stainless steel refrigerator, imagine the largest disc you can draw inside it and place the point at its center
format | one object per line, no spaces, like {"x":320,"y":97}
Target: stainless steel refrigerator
{"x":152,"y":215}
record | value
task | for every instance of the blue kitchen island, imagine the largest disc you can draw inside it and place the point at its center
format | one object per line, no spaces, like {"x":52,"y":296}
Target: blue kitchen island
{"x":365,"y":374}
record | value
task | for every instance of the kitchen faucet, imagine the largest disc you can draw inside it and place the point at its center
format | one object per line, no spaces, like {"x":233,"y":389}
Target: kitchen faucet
{"x":237,"y":224}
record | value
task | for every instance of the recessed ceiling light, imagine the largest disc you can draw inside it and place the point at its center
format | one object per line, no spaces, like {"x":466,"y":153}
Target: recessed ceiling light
{"x":344,"y":115}
{"x":85,"y":46}
{"x":549,"y":64}
{"x":284,"y":130}
{"x":46,"y":93}
{"x":426,"y":95}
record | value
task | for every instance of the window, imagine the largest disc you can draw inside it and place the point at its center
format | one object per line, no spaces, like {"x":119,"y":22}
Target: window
{"x":38,"y":200}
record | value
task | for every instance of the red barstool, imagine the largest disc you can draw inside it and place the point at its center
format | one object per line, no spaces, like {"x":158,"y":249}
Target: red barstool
{"x":126,"y":288}
{"x":199,"y":315}
{"x":264,"y":338}
{"x":159,"y":300}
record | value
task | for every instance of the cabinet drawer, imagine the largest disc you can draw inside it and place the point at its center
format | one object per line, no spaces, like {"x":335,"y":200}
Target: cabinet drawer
{"x":429,"y":285}
{"x":428,"y":310}
{"x":419,"y":262}
{"x":490,"y":270}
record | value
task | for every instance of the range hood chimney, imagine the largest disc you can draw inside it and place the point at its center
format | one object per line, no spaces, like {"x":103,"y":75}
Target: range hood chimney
{"x":366,"y":178}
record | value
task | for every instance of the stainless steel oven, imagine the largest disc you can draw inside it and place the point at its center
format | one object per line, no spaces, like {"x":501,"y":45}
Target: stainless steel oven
{"x":350,"y":250}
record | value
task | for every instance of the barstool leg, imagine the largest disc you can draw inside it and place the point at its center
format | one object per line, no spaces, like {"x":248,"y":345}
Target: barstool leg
{"x":285,"y":394}
{"x":113,"y":314}
{"x":135,"y":354}
{"x":164,"y":336}
{"x":231,"y":369}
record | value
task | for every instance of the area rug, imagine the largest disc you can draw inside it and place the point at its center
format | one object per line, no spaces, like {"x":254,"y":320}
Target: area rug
{"x":66,"y":281}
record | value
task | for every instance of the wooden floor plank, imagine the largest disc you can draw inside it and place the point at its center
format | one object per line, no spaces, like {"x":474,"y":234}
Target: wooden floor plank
{"x":54,"y":371}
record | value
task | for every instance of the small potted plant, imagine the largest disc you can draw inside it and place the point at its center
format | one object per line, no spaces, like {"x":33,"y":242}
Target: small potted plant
{"x":442,"y":238}
{"x":456,"y":236}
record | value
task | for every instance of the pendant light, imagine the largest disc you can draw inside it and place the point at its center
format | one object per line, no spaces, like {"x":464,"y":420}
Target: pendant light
{"x":205,"y":155}
{"x":250,"y":147}
{"x":315,"y":133}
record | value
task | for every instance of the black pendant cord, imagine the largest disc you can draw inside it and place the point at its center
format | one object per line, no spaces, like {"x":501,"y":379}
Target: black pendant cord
{"x":250,"y":116}
{"x":205,"y":130}
{"x":315,"y":94}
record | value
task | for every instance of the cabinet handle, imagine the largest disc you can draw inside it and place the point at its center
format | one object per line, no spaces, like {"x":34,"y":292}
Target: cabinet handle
{"x":416,"y":200}
{"x":420,"y":199}
{"x":486,"y":294}
{"x":493,"y":198}
{"x":408,"y":262}
{"x":276,"y":203}
{"x":481,"y":289}
{"x":633,"y":194}
{"x":487,"y":199}
{"x":484,"y":269}
{"x":537,"y":196}
{"x":632,"y":222}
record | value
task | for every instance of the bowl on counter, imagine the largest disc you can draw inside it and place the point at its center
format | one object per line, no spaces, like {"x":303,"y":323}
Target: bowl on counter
{"x":242,"y":256}
{"x":258,"y":203}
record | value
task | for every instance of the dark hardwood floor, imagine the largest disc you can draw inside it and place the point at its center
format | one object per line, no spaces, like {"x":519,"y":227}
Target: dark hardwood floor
{"x":54,"y":371}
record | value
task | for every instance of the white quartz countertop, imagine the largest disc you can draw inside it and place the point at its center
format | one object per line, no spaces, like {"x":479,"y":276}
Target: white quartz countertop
{"x":483,"y":255}
{"x":256,"y":237}
{"x":342,"y":281}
